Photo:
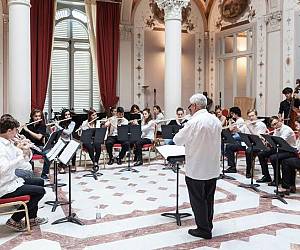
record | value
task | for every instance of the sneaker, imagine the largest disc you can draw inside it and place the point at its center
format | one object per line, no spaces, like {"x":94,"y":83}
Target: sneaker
{"x":16,"y":226}
{"x":37,"y":221}
{"x":230,"y":170}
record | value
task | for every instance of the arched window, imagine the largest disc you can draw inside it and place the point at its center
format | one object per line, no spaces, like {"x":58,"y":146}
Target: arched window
{"x":73,"y":83}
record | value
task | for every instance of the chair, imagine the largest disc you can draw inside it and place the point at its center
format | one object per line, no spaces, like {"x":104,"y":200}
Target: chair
{"x":12,"y":202}
{"x":34,"y":158}
{"x":84,"y":152}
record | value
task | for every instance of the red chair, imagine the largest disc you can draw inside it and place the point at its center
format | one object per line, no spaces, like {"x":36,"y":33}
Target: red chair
{"x":12,"y":202}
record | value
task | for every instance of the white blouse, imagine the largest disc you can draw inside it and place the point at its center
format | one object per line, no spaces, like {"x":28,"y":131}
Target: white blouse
{"x":148,"y":130}
{"x":11,"y":158}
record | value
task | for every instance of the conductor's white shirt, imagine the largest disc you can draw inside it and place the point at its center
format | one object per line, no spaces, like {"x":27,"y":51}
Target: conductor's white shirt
{"x":201,"y":137}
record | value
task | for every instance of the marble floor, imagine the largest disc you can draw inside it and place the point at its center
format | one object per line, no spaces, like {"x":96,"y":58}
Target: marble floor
{"x":130,"y":205}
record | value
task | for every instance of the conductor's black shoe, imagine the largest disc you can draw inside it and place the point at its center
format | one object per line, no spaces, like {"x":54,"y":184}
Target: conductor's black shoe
{"x":248,"y":175}
{"x":119,"y":161}
{"x":198,"y":233}
{"x":230,"y":170}
{"x":138,"y":163}
{"x":110,"y":162}
{"x":264,"y":179}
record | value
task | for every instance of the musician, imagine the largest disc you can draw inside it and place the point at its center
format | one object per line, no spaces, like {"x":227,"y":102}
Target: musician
{"x":67,"y":128}
{"x":179,"y":121}
{"x":201,"y":137}
{"x":158,"y":116}
{"x":220,"y":116}
{"x":148,"y":129}
{"x":209,"y":101}
{"x":231,"y":148}
{"x":289,"y":167}
{"x":112,"y":138}
{"x":12,"y":158}
{"x":285,"y":108}
{"x":135,"y":109}
{"x":286,"y":133}
{"x":93,"y":147}
{"x":36,"y":133}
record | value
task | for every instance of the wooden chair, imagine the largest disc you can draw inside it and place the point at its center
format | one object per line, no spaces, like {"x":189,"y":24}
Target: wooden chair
{"x":12,"y":202}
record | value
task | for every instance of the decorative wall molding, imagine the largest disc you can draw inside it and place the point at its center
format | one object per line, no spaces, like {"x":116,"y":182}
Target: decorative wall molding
{"x":172,"y":8}
{"x":273,"y":21}
{"x":126,"y":32}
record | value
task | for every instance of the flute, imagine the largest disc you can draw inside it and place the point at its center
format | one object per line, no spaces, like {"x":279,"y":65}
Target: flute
{"x":53,"y":123}
{"x":80,"y":128}
{"x":243,"y":123}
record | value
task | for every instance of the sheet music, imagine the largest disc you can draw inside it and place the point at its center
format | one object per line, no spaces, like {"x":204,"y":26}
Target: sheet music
{"x":68,"y":152}
{"x":56,"y":150}
{"x":171,"y":150}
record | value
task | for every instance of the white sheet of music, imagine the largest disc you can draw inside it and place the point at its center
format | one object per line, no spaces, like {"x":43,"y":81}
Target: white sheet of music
{"x":68,"y":152}
{"x":56,"y":150}
{"x":171,"y":150}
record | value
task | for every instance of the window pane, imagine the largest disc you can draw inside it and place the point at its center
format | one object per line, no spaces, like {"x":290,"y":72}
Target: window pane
{"x":61,"y":44}
{"x":250,"y":39}
{"x":82,"y":81}
{"x":79,"y":31}
{"x":79,"y":15}
{"x":229,"y":44}
{"x":242,"y":76}
{"x":241,"y":41}
{"x":62,"y":29}
{"x":62,"y":13}
{"x":228,"y":82}
{"x":60,"y":99}
{"x":81,"y":46}
{"x":60,"y":70}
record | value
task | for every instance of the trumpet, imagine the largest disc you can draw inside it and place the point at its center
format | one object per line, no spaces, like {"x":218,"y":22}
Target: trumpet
{"x":63,"y":120}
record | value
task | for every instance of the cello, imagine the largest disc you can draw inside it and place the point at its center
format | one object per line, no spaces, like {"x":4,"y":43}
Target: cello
{"x":294,"y":108}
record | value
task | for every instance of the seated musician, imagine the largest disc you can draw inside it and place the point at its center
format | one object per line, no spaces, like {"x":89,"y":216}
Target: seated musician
{"x":112,"y":138}
{"x":93,"y":147}
{"x":230,"y":148}
{"x":287,"y":134}
{"x":12,"y":158}
{"x":220,"y":116}
{"x":158,"y":116}
{"x":67,"y":128}
{"x":36,"y":133}
{"x":148,"y":130}
{"x":135,"y":109}
{"x":179,"y":121}
{"x":289,"y":167}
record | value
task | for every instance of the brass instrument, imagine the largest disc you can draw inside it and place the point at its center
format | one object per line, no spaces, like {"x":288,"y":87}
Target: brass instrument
{"x":242,"y":123}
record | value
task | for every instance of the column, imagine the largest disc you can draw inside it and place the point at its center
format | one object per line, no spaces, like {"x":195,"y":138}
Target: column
{"x":172,"y":9}
{"x":19,"y":87}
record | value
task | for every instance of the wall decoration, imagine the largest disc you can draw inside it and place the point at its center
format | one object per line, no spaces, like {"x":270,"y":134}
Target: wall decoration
{"x":231,"y":10}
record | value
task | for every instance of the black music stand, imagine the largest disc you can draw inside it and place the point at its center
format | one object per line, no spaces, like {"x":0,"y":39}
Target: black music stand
{"x":175,"y":160}
{"x":168,"y":132}
{"x":252,"y":142}
{"x":52,"y":140}
{"x":130,"y":133}
{"x":226,"y":137}
{"x":65,"y":157}
{"x":52,"y":156}
{"x":135,"y":116}
{"x":279,"y":144}
{"x":86,"y":137}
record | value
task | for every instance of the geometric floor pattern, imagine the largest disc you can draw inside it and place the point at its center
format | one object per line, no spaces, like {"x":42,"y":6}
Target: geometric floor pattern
{"x":131,"y":205}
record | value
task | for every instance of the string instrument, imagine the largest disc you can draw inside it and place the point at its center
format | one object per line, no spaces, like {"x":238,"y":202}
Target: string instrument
{"x":293,"y":112}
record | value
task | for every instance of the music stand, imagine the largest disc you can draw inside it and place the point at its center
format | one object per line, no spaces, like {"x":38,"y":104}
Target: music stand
{"x":86,"y":137}
{"x":169,"y":152}
{"x":281,"y":144}
{"x":52,"y":156}
{"x":135,"y":116}
{"x":168,"y":132}
{"x":52,"y":140}
{"x":130,"y":133}
{"x":252,"y":141}
{"x":65,"y":158}
{"x":226,"y":137}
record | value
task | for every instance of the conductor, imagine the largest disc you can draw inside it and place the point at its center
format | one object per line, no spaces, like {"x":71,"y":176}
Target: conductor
{"x":201,"y":137}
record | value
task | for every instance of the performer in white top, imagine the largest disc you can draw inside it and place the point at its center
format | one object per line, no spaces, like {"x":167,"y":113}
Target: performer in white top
{"x":287,"y":134}
{"x":158,"y":116}
{"x":148,"y":129}
{"x":93,"y":147}
{"x":12,"y":158}
{"x":112,"y":124}
{"x":202,"y":139}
